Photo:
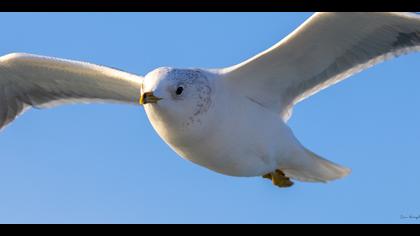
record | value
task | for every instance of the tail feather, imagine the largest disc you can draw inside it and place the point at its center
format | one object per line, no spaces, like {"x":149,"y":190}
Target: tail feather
{"x":317,"y":169}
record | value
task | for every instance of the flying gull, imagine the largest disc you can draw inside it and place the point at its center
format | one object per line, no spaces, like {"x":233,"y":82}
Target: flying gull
{"x":231,"y":120}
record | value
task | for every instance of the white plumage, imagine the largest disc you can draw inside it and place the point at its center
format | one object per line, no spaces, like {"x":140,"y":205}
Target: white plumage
{"x":230,"y":120}
{"x":38,"y":81}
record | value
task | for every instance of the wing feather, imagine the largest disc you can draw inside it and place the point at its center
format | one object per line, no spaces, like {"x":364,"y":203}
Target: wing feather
{"x":324,"y":50}
{"x":36,"y":81}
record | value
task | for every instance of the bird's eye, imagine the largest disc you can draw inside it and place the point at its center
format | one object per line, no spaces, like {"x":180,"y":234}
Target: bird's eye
{"x":179,"y":90}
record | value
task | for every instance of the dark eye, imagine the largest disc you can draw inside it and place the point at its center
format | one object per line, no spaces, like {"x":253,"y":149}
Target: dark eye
{"x":179,"y":90}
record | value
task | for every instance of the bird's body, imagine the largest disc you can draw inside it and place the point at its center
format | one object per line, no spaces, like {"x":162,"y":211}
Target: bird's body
{"x":231,"y":120}
{"x":221,"y":141}
{"x":252,"y":142}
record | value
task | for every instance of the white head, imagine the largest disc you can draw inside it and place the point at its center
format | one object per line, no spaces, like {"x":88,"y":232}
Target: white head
{"x":177,"y":102}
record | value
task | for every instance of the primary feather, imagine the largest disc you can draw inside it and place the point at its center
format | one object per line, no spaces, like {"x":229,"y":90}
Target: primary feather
{"x":29,"y":80}
{"x":326,"y":49}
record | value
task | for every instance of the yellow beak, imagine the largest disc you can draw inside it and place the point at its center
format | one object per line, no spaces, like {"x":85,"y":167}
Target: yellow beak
{"x":148,"y":97}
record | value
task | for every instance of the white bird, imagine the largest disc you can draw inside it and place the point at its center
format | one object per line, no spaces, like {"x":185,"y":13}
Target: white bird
{"x":231,"y":120}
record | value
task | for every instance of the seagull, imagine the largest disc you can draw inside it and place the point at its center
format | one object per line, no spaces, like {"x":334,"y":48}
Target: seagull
{"x":230,"y":120}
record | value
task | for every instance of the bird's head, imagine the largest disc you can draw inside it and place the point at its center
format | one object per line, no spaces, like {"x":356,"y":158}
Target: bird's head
{"x":177,"y":101}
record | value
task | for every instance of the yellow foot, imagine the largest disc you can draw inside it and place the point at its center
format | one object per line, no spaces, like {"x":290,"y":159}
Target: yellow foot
{"x":279,"y":179}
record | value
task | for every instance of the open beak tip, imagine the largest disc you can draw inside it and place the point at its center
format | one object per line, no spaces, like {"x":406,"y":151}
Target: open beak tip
{"x":148,"y":97}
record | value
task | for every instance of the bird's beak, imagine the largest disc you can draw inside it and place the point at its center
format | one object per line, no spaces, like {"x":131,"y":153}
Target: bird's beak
{"x":148,"y":97}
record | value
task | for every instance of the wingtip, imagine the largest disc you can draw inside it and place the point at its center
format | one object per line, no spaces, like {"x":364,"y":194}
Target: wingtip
{"x":14,"y":56}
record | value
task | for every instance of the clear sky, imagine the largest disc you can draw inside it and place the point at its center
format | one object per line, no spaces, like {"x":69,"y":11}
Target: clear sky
{"x":106,"y":164}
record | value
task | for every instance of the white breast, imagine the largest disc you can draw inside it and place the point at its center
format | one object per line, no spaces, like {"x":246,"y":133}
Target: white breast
{"x":237,"y":137}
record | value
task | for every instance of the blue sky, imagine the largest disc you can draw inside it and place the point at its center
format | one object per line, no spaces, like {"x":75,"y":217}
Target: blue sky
{"x":106,"y":164}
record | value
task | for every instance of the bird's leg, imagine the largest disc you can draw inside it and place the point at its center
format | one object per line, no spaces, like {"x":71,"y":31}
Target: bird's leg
{"x":279,"y":179}
{"x":267,"y":176}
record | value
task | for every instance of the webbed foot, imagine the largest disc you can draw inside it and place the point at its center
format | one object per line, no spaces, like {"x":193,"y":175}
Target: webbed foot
{"x":279,"y":179}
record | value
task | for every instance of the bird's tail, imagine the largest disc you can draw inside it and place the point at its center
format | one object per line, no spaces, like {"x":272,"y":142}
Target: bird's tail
{"x":316,"y":169}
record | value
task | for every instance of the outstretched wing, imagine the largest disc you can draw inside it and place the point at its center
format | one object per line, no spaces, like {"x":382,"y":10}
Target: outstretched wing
{"x":324,"y":50}
{"x":29,"y":80}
